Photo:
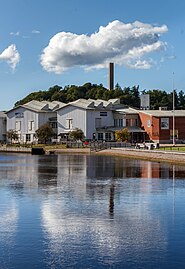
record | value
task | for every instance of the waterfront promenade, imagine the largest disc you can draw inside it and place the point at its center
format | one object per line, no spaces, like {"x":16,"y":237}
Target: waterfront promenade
{"x":150,"y":155}
{"x":144,"y":154}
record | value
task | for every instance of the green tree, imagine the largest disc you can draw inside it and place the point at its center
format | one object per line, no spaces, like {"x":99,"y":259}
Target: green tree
{"x":44,"y":133}
{"x":12,"y":135}
{"x":181,"y":100}
{"x":76,"y":134}
{"x":122,"y":135}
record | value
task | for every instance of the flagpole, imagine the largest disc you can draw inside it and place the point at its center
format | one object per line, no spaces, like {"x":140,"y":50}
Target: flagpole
{"x":173,"y":112}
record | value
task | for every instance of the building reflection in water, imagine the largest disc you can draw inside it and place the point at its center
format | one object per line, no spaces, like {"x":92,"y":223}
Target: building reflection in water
{"x":9,"y":216}
{"x":100,"y":203}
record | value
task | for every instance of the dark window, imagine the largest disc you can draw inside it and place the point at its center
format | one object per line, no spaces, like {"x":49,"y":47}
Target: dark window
{"x":103,"y":113}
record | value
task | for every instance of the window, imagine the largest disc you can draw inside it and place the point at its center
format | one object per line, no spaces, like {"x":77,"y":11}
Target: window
{"x":120,"y":122}
{"x":17,"y":125}
{"x":19,"y":115}
{"x":28,"y":137}
{"x":69,"y":124}
{"x":53,"y":125}
{"x":31,"y":126}
{"x":165,"y":123}
{"x":107,"y":136}
{"x":136,"y":122}
{"x":103,"y":113}
{"x":148,"y":123}
{"x":115,"y":122}
{"x":100,"y":136}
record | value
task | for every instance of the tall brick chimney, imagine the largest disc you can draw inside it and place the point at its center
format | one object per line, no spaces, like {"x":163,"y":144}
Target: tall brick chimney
{"x":111,"y":76}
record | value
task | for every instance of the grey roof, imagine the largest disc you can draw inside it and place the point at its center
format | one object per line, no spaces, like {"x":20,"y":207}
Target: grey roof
{"x":36,"y":106}
{"x":83,"y":103}
{"x":54,"y":105}
{"x":164,"y":113}
{"x":43,"y":106}
{"x":95,"y":104}
{"x":128,"y":110}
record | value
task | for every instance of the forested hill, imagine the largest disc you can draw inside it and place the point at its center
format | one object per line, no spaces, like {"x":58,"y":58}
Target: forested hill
{"x":129,"y":95}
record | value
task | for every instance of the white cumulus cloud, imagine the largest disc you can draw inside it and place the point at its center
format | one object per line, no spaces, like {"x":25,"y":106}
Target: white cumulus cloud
{"x":11,"y":56}
{"x":124,"y":44}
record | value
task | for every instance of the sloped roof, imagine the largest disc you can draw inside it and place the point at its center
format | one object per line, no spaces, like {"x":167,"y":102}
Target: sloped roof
{"x":36,"y":106}
{"x":94,"y":104}
{"x":43,"y":106}
{"x":128,"y":110}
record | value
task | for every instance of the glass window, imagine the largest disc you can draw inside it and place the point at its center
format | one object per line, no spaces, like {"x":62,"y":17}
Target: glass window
{"x":115,"y":122}
{"x":148,"y":123}
{"x":17,"y":125}
{"x":120,"y":122}
{"x":69,"y":123}
{"x":103,"y":113}
{"x":31,"y":126}
{"x":107,"y":136}
{"x":28,"y":137}
{"x":53,"y":125}
{"x":100,"y":136}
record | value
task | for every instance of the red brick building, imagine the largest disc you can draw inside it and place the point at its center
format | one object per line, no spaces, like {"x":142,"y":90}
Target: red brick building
{"x":158,"y":125}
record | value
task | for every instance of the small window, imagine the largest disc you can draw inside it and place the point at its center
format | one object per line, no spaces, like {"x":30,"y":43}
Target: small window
{"x":31,"y":125}
{"x":17,"y":125}
{"x":148,"y":123}
{"x":100,"y":136}
{"x":108,"y":136}
{"x":120,"y":122}
{"x":115,"y":122}
{"x":19,"y":115}
{"x":28,"y":137}
{"x":103,"y":113}
{"x":53,"y":125}
{"x":69,"y":124}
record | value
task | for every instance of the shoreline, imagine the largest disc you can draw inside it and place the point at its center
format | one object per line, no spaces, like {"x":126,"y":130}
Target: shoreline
{"x":149,"y":155}
{"x":140,"y":154}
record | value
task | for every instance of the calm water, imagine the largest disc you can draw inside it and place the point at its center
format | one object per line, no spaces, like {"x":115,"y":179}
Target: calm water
{"x":90,"y":212}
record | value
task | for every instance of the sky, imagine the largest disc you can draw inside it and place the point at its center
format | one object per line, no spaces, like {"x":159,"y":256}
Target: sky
{"x":71,"y":42}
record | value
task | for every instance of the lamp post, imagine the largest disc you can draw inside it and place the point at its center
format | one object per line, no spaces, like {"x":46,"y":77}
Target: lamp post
{"x":173,"y":112}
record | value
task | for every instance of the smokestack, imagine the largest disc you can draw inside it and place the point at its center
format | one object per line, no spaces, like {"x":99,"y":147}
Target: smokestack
{"x":111,"y":76}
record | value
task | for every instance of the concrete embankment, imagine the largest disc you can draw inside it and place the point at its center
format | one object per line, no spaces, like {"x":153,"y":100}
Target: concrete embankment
{"x":15,"y":149}
{"x":150,"y":155}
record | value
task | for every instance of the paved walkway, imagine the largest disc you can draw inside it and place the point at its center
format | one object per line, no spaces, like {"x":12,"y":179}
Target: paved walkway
{"x":150,"y":155}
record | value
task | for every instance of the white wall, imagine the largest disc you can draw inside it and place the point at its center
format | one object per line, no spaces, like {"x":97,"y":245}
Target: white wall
{"x":78,"y":116}
{"x":24,"y":116}
{"x":82,"y":119}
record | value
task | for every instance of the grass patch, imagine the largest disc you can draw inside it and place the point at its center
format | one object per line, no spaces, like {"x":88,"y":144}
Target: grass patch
{"x":173,"y":148}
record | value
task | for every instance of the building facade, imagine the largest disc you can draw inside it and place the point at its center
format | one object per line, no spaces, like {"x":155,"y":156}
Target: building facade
{"x":27,"y":118}
{"x":160,"y":125}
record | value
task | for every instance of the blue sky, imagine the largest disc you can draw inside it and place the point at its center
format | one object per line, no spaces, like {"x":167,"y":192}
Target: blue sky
{"x":63,"y":42}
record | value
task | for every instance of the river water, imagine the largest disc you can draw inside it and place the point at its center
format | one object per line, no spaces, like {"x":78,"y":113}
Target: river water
{"x":89,"y":211}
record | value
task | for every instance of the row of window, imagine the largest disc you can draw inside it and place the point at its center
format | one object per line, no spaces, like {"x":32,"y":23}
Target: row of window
{"x":31,"y":125}
{"x":129,"y":122}
{"x":107,"y":137}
